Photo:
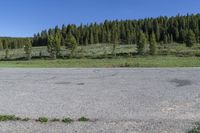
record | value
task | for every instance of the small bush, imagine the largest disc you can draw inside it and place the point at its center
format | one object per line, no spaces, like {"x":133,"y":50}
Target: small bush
{"x":42,"y":119}
{"x":67,"y":120}
{"x":83,"y":119}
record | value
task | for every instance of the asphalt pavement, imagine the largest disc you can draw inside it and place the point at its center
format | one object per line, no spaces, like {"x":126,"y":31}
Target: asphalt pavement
{"x":120,"y":100}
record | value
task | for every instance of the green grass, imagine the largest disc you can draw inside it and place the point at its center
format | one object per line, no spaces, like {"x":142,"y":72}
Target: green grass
{"x":8,"y":118}
{"x":158,"y":61}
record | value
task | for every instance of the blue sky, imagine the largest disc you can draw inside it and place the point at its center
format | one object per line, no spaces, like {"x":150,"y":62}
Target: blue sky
{"x":20,"y":18}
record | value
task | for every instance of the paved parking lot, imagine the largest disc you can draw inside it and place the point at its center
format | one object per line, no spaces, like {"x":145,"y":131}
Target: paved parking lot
{"x":118,"y":100}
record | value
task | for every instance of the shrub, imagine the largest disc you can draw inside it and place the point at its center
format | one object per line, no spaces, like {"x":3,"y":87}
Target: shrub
{"x":67,"y":120}
{"x":42,"y":119}
{"x":83,"y":119}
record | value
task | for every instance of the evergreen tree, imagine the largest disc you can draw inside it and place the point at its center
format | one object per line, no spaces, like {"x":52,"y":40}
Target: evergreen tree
{"x":1,"y":45}
{"x":6,"y":47}
{"x":153,"y":44}
{"x":54,"y":42}
{"x":157,"y":30}
{"x":96,"y":38}
{"x":71,"y":43}
{"x":7,"y":54}
{"x":91,"y":38}
{"x":57,"y":41}
{"x":28,"y":49}
{"x":51,"y":46}
{"x":165,"y":39}
{"x":182,"y":36}
{"x":114,"y":40}
{"x":108,"y":40}
{"x":190,"y":39}
{"x":141,"y":44}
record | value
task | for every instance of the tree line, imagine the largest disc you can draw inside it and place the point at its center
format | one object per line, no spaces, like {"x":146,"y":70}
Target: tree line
{"x":165,"y":29}
{"x":13,"y":43}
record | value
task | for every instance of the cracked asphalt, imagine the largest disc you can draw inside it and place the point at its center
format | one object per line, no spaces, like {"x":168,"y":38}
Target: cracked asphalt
{"x":120,"y":100}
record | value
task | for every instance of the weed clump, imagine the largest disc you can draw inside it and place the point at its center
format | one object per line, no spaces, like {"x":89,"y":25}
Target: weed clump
{"x":8,"y":118}
{"x":67,"y":120}
{"x":83,"y":119}
{"x":42,"y":119}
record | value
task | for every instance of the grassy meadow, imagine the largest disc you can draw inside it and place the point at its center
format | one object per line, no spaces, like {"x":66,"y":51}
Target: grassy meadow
{"x":100,"y":55}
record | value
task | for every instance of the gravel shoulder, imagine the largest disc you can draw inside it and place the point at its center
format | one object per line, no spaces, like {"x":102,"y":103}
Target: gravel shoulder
{"x":119,"y":100}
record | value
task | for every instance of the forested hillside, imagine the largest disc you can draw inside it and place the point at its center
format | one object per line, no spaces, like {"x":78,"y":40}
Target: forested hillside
{"x":166,"y":30}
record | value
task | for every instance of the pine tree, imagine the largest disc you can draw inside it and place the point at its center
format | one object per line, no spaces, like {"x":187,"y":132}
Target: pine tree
{"x":165,"y":39}
{"x":96,"y":38}
{"x":71,"y":43}
{"x":28,"y":49}
{"x":108,"y":37}
{"x":51,"y":46}
{"x":6,"y":47}
{"x":182,"y":36}
{"x":177,"y":35}
{"x":114,"y":40}
{"x":91,"y":38}
{"x":54,"y":42}
{"x":190,"y":39}
{"x":153,"y":43}
{"x":57,"y":41}
{"x":157,"y":30}
{"x":1,"y":45}
{"x":141,"y":44}
{"x":129,"y":37}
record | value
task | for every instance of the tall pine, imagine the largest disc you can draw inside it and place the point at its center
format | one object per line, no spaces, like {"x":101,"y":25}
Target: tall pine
{"x":153,"y":44}
{"x":142,"y":43}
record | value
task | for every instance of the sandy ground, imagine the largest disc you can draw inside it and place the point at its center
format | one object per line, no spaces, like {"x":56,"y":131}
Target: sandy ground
{"x":118,"y":100}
